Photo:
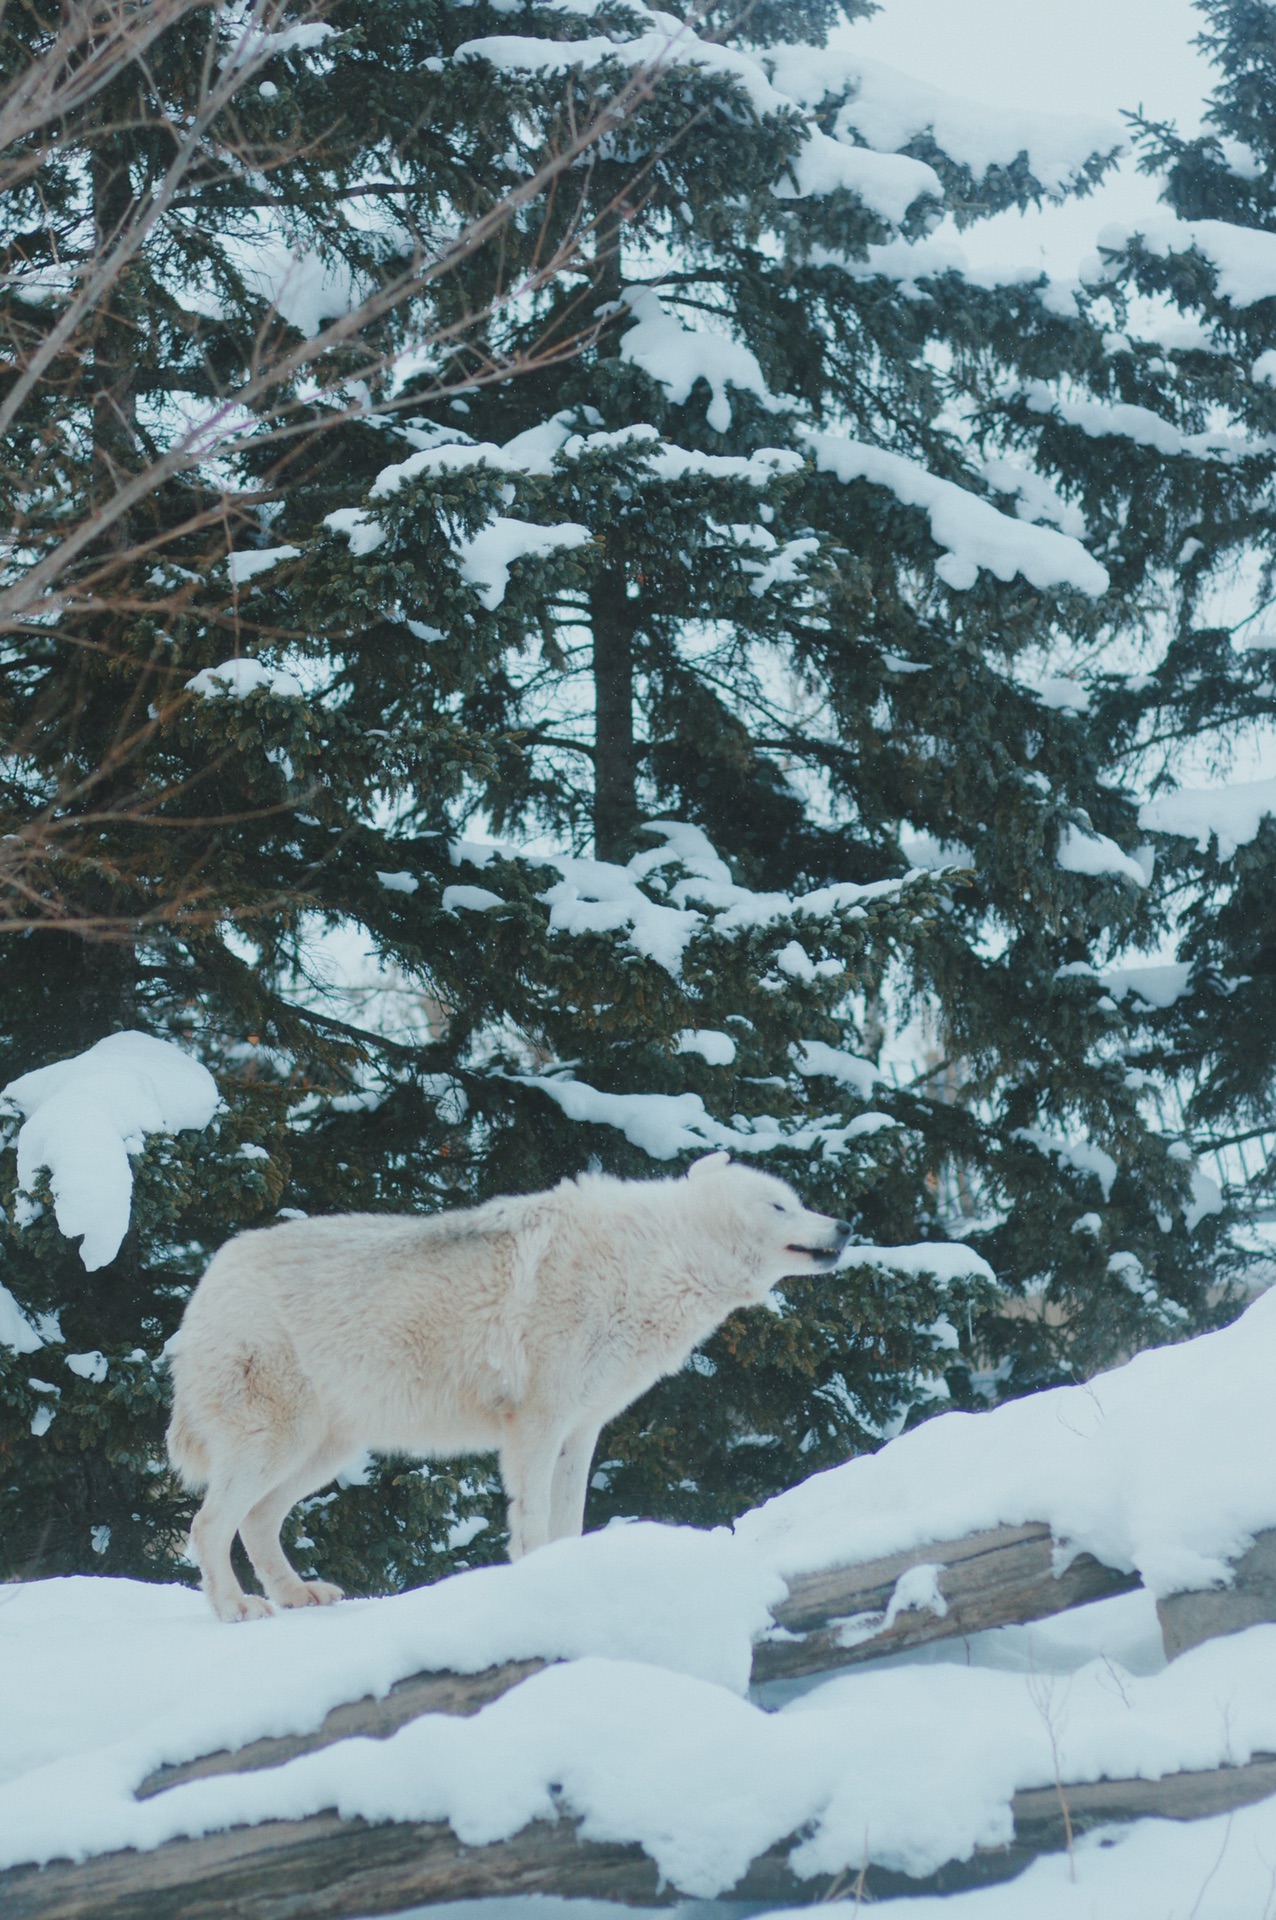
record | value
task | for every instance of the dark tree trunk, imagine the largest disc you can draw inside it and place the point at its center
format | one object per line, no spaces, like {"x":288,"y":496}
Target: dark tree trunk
{"x":115,"y":343}
{"x":612,"y":619}
{"x":611,"y":616}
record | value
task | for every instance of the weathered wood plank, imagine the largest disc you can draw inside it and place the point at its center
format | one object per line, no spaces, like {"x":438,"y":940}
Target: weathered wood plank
{"x":1189,"y":1618}
{"x":988,"y":1579}
{"x":326,"y":1868}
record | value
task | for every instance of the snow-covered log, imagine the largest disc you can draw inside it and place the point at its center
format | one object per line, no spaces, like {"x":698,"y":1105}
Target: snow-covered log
{"x":988,"y":1579}
{"x":327,"y":1868}
{"x":1249,"y":1600}
{"x":834,"y":1618}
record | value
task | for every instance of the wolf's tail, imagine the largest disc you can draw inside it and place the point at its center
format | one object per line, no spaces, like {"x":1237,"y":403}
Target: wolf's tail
{"x":187,"y":1452}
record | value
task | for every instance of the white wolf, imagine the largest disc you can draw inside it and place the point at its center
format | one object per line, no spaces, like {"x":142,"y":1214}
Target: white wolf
{"x":523,"y":1325}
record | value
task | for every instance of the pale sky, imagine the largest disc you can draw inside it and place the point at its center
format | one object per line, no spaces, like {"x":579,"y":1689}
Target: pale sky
{"x":1062,"y":56}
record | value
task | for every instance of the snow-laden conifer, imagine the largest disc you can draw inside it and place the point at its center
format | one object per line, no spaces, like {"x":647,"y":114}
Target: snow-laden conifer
{"x":686,"y":745}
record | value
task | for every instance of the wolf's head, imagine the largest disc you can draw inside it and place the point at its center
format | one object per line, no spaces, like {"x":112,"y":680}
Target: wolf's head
{"x":764,"y":1223}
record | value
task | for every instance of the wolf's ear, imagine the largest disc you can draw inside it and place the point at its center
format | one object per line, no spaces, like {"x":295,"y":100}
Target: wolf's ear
{"x":707,"y":1162}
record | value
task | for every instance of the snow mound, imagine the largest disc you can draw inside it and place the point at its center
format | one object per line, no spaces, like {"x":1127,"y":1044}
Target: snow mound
{"x":83,"y":1118}
{"x":146,"y":1675}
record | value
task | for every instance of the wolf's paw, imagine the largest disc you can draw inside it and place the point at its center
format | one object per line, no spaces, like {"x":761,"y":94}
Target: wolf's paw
{"x":246,"y":1606}
{"x":309,"y":1593}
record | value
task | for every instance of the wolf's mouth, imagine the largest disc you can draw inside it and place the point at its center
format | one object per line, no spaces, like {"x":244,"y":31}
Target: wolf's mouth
{"x":814,"y":1253}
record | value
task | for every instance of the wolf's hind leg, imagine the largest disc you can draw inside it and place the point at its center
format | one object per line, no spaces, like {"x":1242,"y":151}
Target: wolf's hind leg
{"x":232,"y":1491}
{"x":259,"y":1531}
{"x":571,"y":1483}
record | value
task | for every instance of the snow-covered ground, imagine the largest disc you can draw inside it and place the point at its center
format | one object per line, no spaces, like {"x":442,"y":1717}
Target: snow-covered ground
{"x":645,"y":1728}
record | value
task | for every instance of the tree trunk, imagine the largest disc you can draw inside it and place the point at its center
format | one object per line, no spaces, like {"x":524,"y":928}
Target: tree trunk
{"x":115,"y":343}
{"x":615,"y":764}
{"x":612,"y":619}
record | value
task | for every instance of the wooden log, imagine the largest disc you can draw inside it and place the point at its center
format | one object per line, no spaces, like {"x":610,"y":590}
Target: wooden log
{"x":839,"y":1618}
{"x":986,"y":1579}
{"x":458,"y":1693}
{"x":1040,"y":1825}
{"x":326,"y":1868}
{"x":1189,"y":1618}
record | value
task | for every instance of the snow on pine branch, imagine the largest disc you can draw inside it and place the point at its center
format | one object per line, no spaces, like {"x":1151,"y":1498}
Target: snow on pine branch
{"x":889,"y":109}
{"x":84,"y":1116}
{"x":676,"y":356}
{"x":599,"y":896}
{"x":1105,"y":419}
{"x":487,"y":556}
{"x":1243,"y":258}
{"x":888,"y":183}
{"x":663,"y":1125}
{"x":910,"y":262}
{"x":236,"y":679}
{"x":973,"y":531}
{"x":1230,"y":815}
{"x":701,"y":900}
{"x":1095,"y":853}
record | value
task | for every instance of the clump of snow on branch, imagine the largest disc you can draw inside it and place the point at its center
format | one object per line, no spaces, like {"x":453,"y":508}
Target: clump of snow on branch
{"x":20,"y":1334}
{"x":599,"y":896}
{"x":236,"y":679}
{"x":245,"y":566}
{"x":1095,"y":853}
{"x":487,"y":556}
{"x":83,"y":1117}
{"x":1230,"y":815}
{"x":889,"y":109}
{"x":677,"y":356}
{"x":889,"y":183}
{"x":1243,"y":258}
{"x":973,"y":531}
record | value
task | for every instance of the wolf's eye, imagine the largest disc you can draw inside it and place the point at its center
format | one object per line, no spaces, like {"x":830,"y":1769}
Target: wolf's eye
{"x":779,"y":1206}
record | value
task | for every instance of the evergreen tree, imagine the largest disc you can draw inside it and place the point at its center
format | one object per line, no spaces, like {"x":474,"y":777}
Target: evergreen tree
{"x":668,"y":729}
{"x":1204,"y":470}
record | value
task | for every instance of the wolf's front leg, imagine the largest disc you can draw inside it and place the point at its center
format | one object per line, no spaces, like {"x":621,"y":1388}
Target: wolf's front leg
{"x":571,"y":1483}
{"x":527,"y":1468}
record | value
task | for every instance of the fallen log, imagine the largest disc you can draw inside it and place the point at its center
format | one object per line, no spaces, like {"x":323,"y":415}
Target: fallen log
{"x":327,"y":1868}
{"x":995,"y":1578}
{"x":833,"y":1618}
{"x":374,"y":1719}
{"x":1187,"y":1619}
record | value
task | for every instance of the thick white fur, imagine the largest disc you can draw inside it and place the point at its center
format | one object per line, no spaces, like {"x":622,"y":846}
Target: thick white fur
{"x":521,"y":1326}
